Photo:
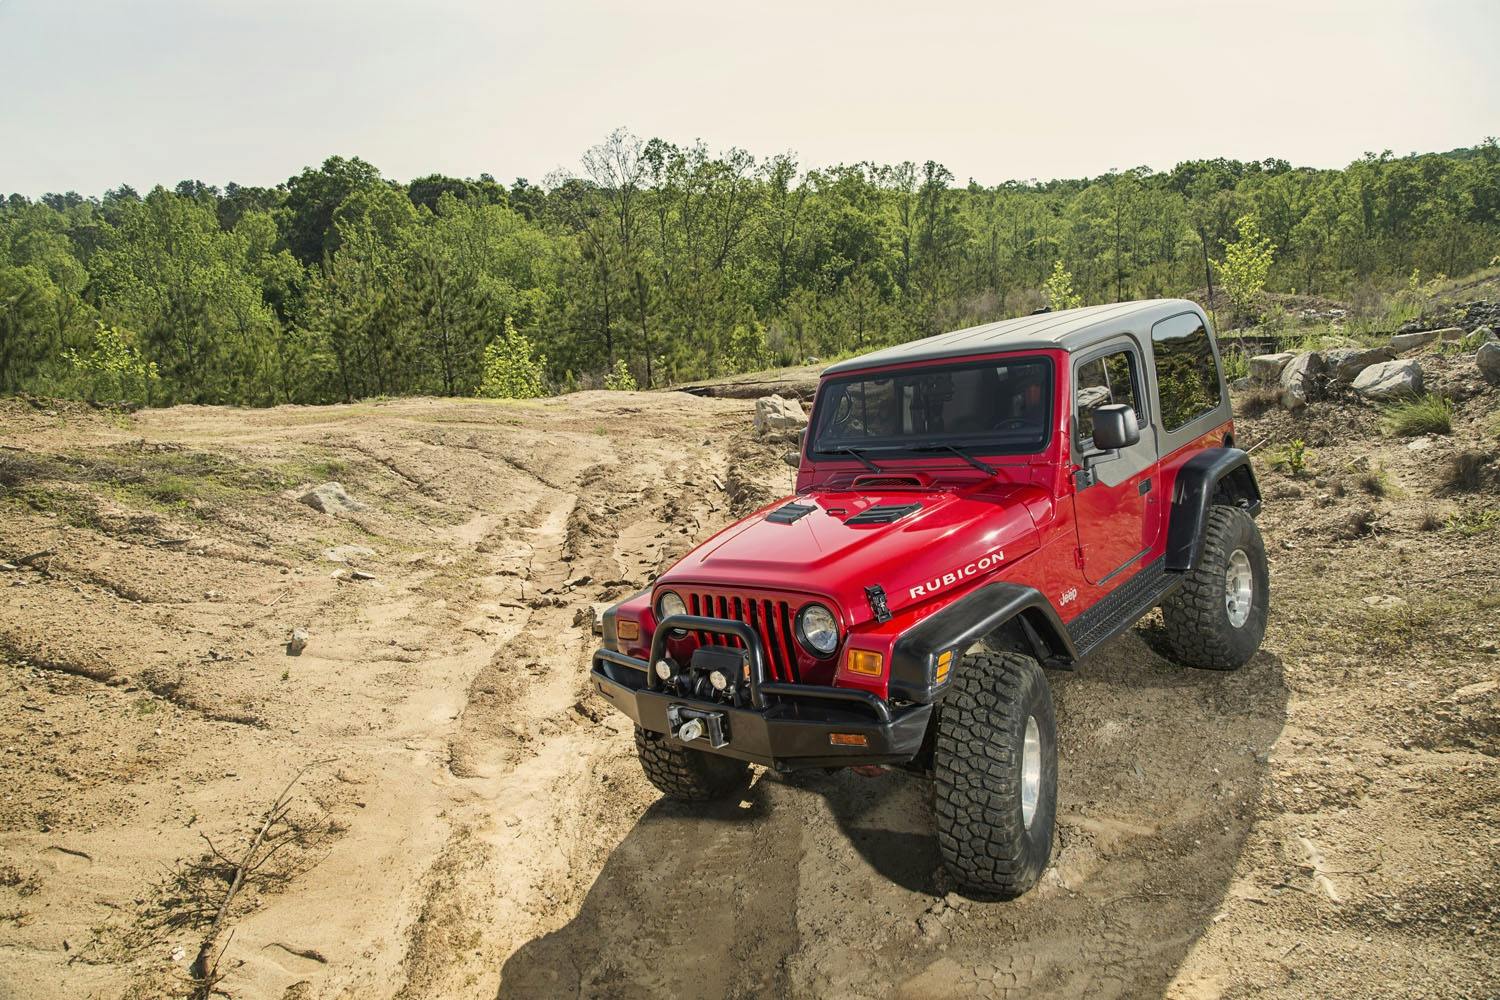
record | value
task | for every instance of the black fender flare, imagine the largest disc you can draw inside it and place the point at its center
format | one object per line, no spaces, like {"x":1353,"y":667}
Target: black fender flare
{"x":1022,"y":614}
{"x":1214,"y":474}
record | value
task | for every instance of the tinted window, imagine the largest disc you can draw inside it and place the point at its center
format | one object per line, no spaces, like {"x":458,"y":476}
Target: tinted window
{"x":1110,"y":379}
{"x":1187,"y":376}
{"x":996,"y":406}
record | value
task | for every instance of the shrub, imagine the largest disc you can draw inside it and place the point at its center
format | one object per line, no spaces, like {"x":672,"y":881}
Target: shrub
{"x":1290,"y":458}
{"x":113,"y":367}
{"x":1236,"y":365}
{"x":510,"y":371}
{"x":620,"y":379}
{"x":1474,"y":521}
{"x":1376,"y":482}
{"x":1428,"y":413}
{"x":1464,"y":472}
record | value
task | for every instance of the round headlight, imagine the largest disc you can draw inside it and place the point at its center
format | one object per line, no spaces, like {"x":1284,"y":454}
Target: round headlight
{"x":669,"y":604}
{"x":818,"y":629}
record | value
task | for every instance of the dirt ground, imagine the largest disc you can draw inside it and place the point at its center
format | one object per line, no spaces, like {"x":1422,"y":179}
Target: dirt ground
{"x":470,"y":822}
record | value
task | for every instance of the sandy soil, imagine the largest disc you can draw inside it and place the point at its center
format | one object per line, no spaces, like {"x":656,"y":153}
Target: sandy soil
{"x":470,"y":822}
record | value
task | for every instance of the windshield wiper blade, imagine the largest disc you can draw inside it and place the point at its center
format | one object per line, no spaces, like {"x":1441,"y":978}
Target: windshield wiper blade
{"x":859,"y":457}
{"x":978,"y":463}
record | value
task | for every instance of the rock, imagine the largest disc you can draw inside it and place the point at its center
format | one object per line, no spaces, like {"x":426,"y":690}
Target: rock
{"x":1389,"y":380}
{"x":1488,"y":360}
{"x":1345,"y":363}
{"x":347,"y":553}
{"x":1482,"y":334}
{"x":1411,"y":341}
{"x":330,"y":498}
{"x":1267,"y":367}
{"x":1299,"y":379}
{"x":1420,"y":444}
{"x":776,"y":413}
{"x":297,"y":643}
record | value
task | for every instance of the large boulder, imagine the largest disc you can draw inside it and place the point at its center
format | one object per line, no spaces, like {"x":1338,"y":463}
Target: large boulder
{"x":1266,"y":368}
{"x":1488,"y":360}
{"x":1345,"y":363}
{"x":1390,"y":380}
{"x":331,"y":498}
{"x":776,"y":414}
{"x":1299,"y":379}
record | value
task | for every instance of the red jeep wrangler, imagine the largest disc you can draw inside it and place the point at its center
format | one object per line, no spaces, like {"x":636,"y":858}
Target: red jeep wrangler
{"x":970,"y":509}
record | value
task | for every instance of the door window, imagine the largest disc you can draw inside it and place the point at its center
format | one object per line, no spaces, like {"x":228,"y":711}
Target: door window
{"x":1111,"y":378}
{"x":1187,"y":377}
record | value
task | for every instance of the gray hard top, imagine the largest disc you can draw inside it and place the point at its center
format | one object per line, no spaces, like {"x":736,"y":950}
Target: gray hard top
{"x":1070,"y":330}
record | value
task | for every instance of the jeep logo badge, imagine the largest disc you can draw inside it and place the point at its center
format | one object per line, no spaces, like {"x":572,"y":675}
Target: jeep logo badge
{"x":948,"y":579}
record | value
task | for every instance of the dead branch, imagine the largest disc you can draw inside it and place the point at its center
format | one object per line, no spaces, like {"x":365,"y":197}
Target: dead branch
{"x":205,"y":974}
{"x":28,"y":560}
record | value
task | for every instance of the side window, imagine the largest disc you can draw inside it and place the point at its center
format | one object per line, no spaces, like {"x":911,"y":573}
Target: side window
{"x":1104,"y":380}
{"x":1187,"y":376}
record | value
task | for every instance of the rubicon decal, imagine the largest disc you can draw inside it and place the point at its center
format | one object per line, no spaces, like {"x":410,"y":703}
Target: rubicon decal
{"x":937,"y":583}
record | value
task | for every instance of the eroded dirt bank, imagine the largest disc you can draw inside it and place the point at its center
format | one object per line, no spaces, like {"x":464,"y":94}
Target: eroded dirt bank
{"x":472,"y":823}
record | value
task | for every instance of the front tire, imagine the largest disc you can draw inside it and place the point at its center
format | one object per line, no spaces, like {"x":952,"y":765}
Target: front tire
{"x":688,"y":775}
{"x":1217,"y":617}
{"x":995,"y":774}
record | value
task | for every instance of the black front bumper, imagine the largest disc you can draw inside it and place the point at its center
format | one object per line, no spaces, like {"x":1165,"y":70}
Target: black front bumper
{"x":785,"y":726}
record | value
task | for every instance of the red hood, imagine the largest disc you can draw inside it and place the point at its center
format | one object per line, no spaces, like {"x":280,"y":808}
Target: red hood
{"x":955,"y":539}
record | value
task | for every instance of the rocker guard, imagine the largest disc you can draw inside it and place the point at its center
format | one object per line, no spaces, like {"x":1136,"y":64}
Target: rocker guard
{"x":787,"y":726}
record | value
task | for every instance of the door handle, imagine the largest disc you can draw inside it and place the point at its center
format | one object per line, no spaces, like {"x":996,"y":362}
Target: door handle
{"x":1145,"y":487}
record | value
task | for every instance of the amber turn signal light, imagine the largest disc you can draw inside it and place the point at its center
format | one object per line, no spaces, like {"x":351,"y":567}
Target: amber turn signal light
{"x":848,"y":739}
{"x":944,"y":665}
{"x":628,"y":630}
{"x":867,"y":662}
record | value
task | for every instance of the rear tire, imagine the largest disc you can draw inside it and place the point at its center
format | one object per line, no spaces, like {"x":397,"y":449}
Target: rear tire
{"x":995,"y":790}
{"x":688,"y":775}
{"x":1217,"y":617}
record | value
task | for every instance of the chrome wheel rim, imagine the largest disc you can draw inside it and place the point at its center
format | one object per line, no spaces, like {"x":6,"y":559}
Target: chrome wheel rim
{"x":1031,"y":770}
{"x":1239,"y":588}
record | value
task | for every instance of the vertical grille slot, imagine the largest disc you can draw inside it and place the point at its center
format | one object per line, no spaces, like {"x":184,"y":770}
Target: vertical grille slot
{"x":788,"y":637}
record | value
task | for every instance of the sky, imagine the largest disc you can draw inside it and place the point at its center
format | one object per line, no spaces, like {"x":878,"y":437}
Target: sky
{"x":95,"y":93}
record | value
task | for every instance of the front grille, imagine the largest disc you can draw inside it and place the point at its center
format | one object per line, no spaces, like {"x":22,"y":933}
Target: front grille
{"x":770,"y":618}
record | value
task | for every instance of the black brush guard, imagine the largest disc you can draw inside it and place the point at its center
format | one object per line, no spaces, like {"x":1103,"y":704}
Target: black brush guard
{"x":786,"y":726}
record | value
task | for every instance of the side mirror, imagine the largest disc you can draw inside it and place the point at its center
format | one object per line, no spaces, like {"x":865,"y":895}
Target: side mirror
{"x":1115,"y":427}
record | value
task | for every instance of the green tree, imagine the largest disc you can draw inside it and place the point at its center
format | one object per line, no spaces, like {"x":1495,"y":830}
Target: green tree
{"x":1246,"y":265}
{"x":1059,"y":289}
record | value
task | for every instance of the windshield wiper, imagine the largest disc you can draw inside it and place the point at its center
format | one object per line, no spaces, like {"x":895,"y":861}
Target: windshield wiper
{"x":978,"y":463}
{"x":859,"y":456}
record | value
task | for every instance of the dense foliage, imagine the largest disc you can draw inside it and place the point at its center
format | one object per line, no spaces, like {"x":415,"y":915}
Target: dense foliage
{"x":661,"y":263}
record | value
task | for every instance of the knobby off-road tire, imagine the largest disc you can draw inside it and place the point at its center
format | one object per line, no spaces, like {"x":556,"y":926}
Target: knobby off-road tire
{"x":688,"y":775}
{"x":991,"y":841}
{"x":1214,"y":620}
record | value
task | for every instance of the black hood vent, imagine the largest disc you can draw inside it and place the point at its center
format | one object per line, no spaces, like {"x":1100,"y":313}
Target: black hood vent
{"x":790,"y":513}
{"x":884,"y":514}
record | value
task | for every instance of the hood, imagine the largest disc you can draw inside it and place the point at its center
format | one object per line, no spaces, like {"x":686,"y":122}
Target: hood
{"x":912,"y":543}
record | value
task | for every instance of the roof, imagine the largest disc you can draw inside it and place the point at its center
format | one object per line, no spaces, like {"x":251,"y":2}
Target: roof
{"x":1070,"y":330}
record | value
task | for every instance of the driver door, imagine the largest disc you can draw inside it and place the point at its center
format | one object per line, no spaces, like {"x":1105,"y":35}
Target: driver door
{"x":1118,"y":514}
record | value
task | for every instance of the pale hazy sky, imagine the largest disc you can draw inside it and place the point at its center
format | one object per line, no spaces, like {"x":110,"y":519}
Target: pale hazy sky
{"x":98,"y":92}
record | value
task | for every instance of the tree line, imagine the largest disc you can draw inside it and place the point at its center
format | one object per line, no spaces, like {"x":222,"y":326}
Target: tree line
{"x":655,"y":263}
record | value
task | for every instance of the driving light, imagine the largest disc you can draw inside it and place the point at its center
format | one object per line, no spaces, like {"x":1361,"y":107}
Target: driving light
{"x":718,"y":680}
{"x":663,"y":669}
{"x":818,"y":630}
{"x":866,"y":661}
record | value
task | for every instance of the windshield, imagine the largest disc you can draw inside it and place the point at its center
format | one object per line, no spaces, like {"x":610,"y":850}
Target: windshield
{"x":989,"y":407}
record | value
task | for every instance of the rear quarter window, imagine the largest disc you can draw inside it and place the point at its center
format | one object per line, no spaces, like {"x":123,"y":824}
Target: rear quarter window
{"x":1187,"y":374}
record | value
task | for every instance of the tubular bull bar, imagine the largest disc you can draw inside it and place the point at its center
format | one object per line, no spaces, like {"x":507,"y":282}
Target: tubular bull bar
{"x":786,"y":726}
